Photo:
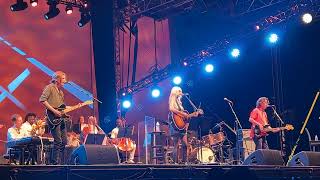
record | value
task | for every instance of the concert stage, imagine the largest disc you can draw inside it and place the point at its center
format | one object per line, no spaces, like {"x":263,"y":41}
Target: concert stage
{"x":134,"y":171}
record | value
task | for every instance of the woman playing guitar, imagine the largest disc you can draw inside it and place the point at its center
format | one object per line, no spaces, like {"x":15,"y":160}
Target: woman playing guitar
{"x":179,"y":120}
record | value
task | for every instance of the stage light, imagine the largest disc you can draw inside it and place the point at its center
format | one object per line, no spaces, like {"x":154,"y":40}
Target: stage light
{"x":177,"y":80}
{"x":69,"y":9}
{"x":19,"y":6}
{"x":155,"y":92}
{"x":85,"y":3}
{"x":307,"y":18}
{"x":185,"y":63}
{"x":235,"y":52}
{"x":257,"y":27}
{"x":273,"y":38}
{"x":209,"y":68}
{"x":53,"y":10}
{"x":34,"y":3}
{"x":85,"y":18}
{"x":126,"y":103}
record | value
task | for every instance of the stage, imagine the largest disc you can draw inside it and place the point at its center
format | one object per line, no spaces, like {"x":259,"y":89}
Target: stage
{"x":138,"y":171}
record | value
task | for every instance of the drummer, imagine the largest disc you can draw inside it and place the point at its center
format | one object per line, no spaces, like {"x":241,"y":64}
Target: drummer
{"x":120,"y":123}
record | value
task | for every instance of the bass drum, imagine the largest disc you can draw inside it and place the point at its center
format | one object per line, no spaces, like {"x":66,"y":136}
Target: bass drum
{"x":203,"y":155}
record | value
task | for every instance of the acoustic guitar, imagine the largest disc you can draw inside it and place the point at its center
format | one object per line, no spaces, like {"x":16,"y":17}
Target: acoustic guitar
{"x":181,"y":122}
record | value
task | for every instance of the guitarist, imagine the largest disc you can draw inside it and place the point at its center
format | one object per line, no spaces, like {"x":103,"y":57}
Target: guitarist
{"x":52,"y":97}
{"x":259,"y":120}
{"x":179,"y":135}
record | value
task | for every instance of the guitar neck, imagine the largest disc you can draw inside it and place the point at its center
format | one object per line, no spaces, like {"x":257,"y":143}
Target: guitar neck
{"x":73,"y":108}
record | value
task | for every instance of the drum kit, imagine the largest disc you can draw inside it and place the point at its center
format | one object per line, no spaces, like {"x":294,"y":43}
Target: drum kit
{"x":208,"y":150}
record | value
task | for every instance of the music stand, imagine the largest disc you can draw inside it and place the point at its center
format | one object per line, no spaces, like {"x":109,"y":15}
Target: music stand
{"x":94,"y":139}
{"x":125,"y":132}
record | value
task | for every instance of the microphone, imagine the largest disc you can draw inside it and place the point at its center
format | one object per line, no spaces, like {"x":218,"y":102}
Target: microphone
{"x":228,"y":100}
{"x":271,"y":106}
{"x":185,"y":94}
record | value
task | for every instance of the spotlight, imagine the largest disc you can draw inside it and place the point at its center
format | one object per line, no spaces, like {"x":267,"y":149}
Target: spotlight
{"x":185,"y":63}
{"x":85,"y":18}
{"x":177,"y":80}
{"x":126,"y":104}
{"x":85,"y":3}
{"x":155,"y":92}
{"x":257,"y":27}
{"x":34,"y":3}
{"x":53,"y":10}
{"x":209,"y":68}
{"x":307,"y":18}
{"x":273,"y":38}
{"x":69,"y":9}
{"x":19,"y":6}
{"x":235,"y":52}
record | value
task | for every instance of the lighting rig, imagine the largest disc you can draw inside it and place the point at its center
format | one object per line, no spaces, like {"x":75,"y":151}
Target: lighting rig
{"x":82,"y":5}
{"x":221,"y":45}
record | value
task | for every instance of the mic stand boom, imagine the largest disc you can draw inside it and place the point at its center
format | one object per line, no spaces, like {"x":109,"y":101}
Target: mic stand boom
{"x":81,"y":90}
{"x":237,"y":133}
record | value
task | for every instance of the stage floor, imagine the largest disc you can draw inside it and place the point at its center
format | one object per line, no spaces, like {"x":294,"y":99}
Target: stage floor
{"x":138,"y":171}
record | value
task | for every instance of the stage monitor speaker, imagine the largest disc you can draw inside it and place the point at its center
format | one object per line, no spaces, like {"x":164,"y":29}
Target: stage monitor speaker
{"x":89,"y":154}
{"x":264,"y":157}
{"x":305,"y":158}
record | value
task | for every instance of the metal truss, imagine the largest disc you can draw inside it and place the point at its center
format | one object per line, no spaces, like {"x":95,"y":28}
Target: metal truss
{"x":219,"y":46}
{"x":247,"y":6}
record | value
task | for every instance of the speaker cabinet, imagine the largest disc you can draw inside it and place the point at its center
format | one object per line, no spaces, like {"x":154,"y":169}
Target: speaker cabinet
{"x":264,"y":157}
{"x":89,"y":154}
{"x":305,"y":158}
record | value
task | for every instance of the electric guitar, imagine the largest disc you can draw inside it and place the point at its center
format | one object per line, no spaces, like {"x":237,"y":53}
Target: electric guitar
{"x":54,"y":120}
{"x":267,"y":129}
{"x":180,"y":122}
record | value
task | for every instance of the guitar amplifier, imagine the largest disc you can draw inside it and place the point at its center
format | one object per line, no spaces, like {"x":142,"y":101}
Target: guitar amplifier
{"x":246,"y":143}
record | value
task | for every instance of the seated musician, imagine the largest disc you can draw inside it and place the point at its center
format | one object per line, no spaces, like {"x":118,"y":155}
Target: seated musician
{"x":258,"y":119}
{"x":79,"y":127}
{"x":93,"y":127}
{"x":16,"y":132}
{"x":120,"y":123}
{"x":29,"y":120}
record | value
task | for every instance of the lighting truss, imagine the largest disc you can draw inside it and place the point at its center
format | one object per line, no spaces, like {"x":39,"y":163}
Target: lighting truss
{"x":157,"y":9}
{"x":247,"y":6}
{"x":218,"y":47}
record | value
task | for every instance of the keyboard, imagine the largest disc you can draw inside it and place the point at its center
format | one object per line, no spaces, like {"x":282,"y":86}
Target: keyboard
{"x":34,"y":140}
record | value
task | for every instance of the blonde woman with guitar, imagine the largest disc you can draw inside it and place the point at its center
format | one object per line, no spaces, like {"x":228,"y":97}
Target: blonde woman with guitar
{"x":179,"y":120}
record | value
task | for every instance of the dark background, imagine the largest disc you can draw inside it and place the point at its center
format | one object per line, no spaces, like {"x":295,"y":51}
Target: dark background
{"x":295,"y":59}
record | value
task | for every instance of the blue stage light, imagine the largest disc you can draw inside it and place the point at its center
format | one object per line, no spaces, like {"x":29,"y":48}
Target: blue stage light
{"x":307,"y":18}
{"x":273,"y":38}
{"x":235,"y":52}
{"x":209,"y":68}
{"x":177,"y":80}
{"x":155,"y":92}
{"x":126,"y":103}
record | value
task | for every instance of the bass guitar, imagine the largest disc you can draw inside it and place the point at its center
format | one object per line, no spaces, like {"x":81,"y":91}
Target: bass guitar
{"x":267,"y":129}
{"x":54,"y":120}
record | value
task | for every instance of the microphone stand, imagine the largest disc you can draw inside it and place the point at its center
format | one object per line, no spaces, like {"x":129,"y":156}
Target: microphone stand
{"x":84,"y":92}
{"x":199,"y":129}
{"x":281,"y":134}
{"x":238,"y":124}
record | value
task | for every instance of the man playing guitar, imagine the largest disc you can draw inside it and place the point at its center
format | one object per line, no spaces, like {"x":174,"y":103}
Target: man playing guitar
{"x":260,"y":123}
{"x":52,"y":98}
